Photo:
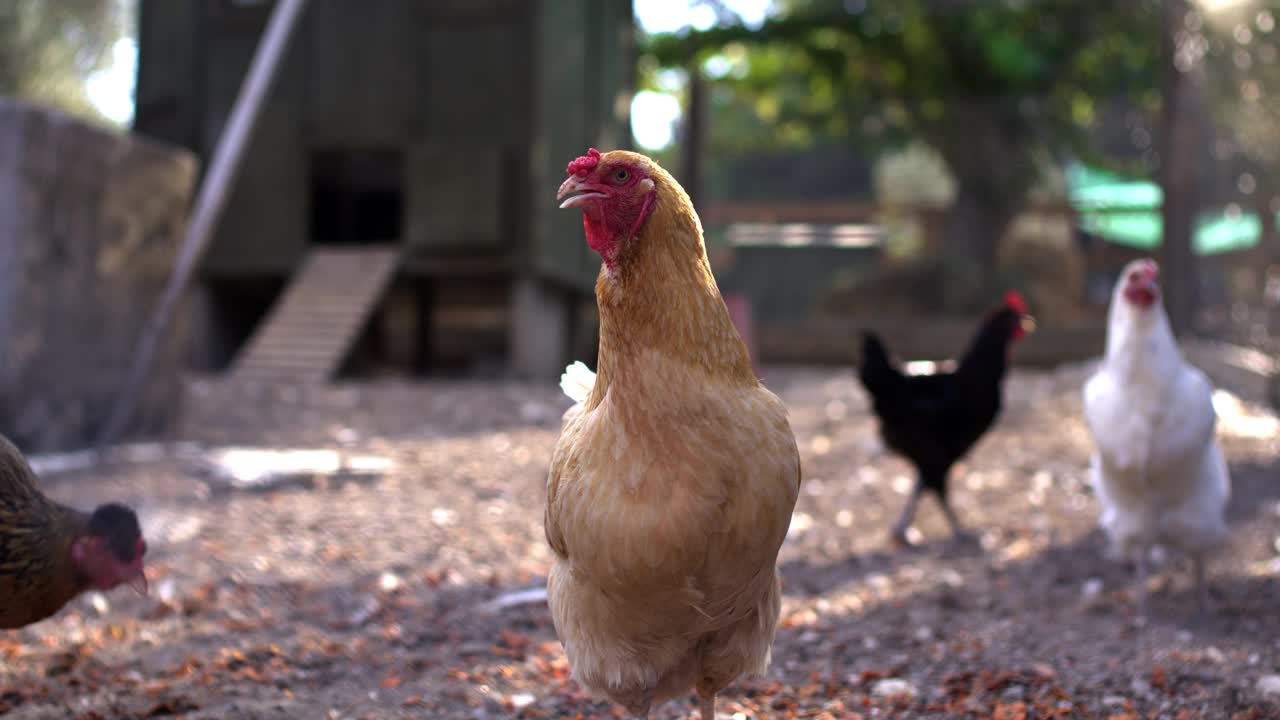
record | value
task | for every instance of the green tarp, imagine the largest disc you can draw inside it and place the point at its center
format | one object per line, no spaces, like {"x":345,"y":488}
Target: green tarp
{"x":1127,"y":212}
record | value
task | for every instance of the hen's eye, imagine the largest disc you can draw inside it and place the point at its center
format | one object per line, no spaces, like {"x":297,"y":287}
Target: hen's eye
{"x":621,"y":174}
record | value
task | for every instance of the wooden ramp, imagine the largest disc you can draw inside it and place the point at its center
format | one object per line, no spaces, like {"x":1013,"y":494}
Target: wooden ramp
{"x":307,"y":333}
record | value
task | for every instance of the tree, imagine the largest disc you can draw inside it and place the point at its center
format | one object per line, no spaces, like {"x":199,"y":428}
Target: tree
{"x":48,"y":49}
{"x":1242,"y":71}
{"x":997,"y":88}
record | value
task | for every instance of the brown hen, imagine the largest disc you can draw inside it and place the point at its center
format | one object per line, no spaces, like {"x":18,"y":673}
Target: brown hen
{"x":673,"y":482}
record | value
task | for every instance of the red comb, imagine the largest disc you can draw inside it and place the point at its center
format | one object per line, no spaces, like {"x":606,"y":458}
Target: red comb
{"x":585,"y":163}
{"x":1015,"y":302}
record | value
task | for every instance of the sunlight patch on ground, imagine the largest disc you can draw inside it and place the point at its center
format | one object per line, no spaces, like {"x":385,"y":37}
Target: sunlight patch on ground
{"x":257,"y":466}
{"x":1237,"y":418}
{"x":800,"y":522}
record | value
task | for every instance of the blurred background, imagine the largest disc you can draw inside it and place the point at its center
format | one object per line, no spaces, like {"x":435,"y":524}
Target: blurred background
{"x":305,"y":256}
{"x":855,"y":162}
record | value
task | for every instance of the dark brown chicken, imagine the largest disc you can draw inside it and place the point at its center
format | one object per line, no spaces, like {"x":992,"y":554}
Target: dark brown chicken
{"x":50,"y":553}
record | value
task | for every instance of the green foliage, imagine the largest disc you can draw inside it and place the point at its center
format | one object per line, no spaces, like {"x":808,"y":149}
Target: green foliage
{"x":48,"y":48}
{"x":1000,"y":89}
{"x":909,"y":68}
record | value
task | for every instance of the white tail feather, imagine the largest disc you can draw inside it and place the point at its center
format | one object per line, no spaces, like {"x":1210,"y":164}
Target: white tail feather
{"x":577,"y":381}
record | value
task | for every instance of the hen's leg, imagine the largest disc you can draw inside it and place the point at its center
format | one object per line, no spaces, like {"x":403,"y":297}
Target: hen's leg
{"x":638,"y":702}
{"x":908,"y":514}
{"x":958,"y":532}
{"x":707,"y":706}
{"x":1202,"y":587}
{"x":1144,"y":569}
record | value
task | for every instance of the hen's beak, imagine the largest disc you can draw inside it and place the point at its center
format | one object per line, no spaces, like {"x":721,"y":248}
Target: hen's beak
{"x":1027,"y":323}
{"x":138,"y":583}
{"x":574,"y":192}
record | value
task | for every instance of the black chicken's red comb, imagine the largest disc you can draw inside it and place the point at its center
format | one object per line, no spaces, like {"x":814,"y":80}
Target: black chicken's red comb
{"x":585,"y":163}
{"x":1015,"y":302}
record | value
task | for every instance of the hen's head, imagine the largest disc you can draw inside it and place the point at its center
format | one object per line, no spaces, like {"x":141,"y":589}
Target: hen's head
{"x":616,"y":191}
{"x":1015,"y":316}
{"x":1015,"y":304}
{"x":110,"y":551}
{"x":1140,"y":283}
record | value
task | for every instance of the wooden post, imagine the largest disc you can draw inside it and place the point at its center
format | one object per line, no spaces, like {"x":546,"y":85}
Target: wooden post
{"x":214,"y":191}
{"x":538,"y":329}
{"x":1178,"y":145}
{"x":694,"y":135}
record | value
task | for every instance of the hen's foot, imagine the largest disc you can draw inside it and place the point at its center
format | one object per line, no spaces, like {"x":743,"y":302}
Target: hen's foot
{"x":899,"y":540}
{"x":707,"y":706}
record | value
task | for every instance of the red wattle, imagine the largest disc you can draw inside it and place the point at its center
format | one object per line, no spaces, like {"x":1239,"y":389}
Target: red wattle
{"x":597,"y":232}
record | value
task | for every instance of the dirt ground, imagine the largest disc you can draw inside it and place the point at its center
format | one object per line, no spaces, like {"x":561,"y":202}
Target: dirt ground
{"x":372,"y":598}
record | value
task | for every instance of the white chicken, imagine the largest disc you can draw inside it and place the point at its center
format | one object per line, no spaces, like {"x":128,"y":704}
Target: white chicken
{"x":1157,"y":468}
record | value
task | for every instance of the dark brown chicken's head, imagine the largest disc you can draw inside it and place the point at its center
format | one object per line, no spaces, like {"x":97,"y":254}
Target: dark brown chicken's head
{"x":110,"y":551}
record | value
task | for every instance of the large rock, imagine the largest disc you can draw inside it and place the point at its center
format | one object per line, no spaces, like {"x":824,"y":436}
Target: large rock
{"x":90,"y":220}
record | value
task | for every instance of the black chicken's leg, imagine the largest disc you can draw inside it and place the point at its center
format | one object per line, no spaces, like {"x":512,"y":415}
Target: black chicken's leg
{"x":938,"y":484}
{"x":958,"y":531}
{"x":908,"y":513}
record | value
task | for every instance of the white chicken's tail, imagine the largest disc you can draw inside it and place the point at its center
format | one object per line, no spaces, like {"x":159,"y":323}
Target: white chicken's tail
{"x":577,"y":381}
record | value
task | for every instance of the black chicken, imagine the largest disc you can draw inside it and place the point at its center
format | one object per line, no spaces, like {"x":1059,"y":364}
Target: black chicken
{"x":933,"y":420}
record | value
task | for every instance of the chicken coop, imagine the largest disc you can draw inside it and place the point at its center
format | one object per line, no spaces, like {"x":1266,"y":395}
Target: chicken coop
{"x":395,"y":209}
